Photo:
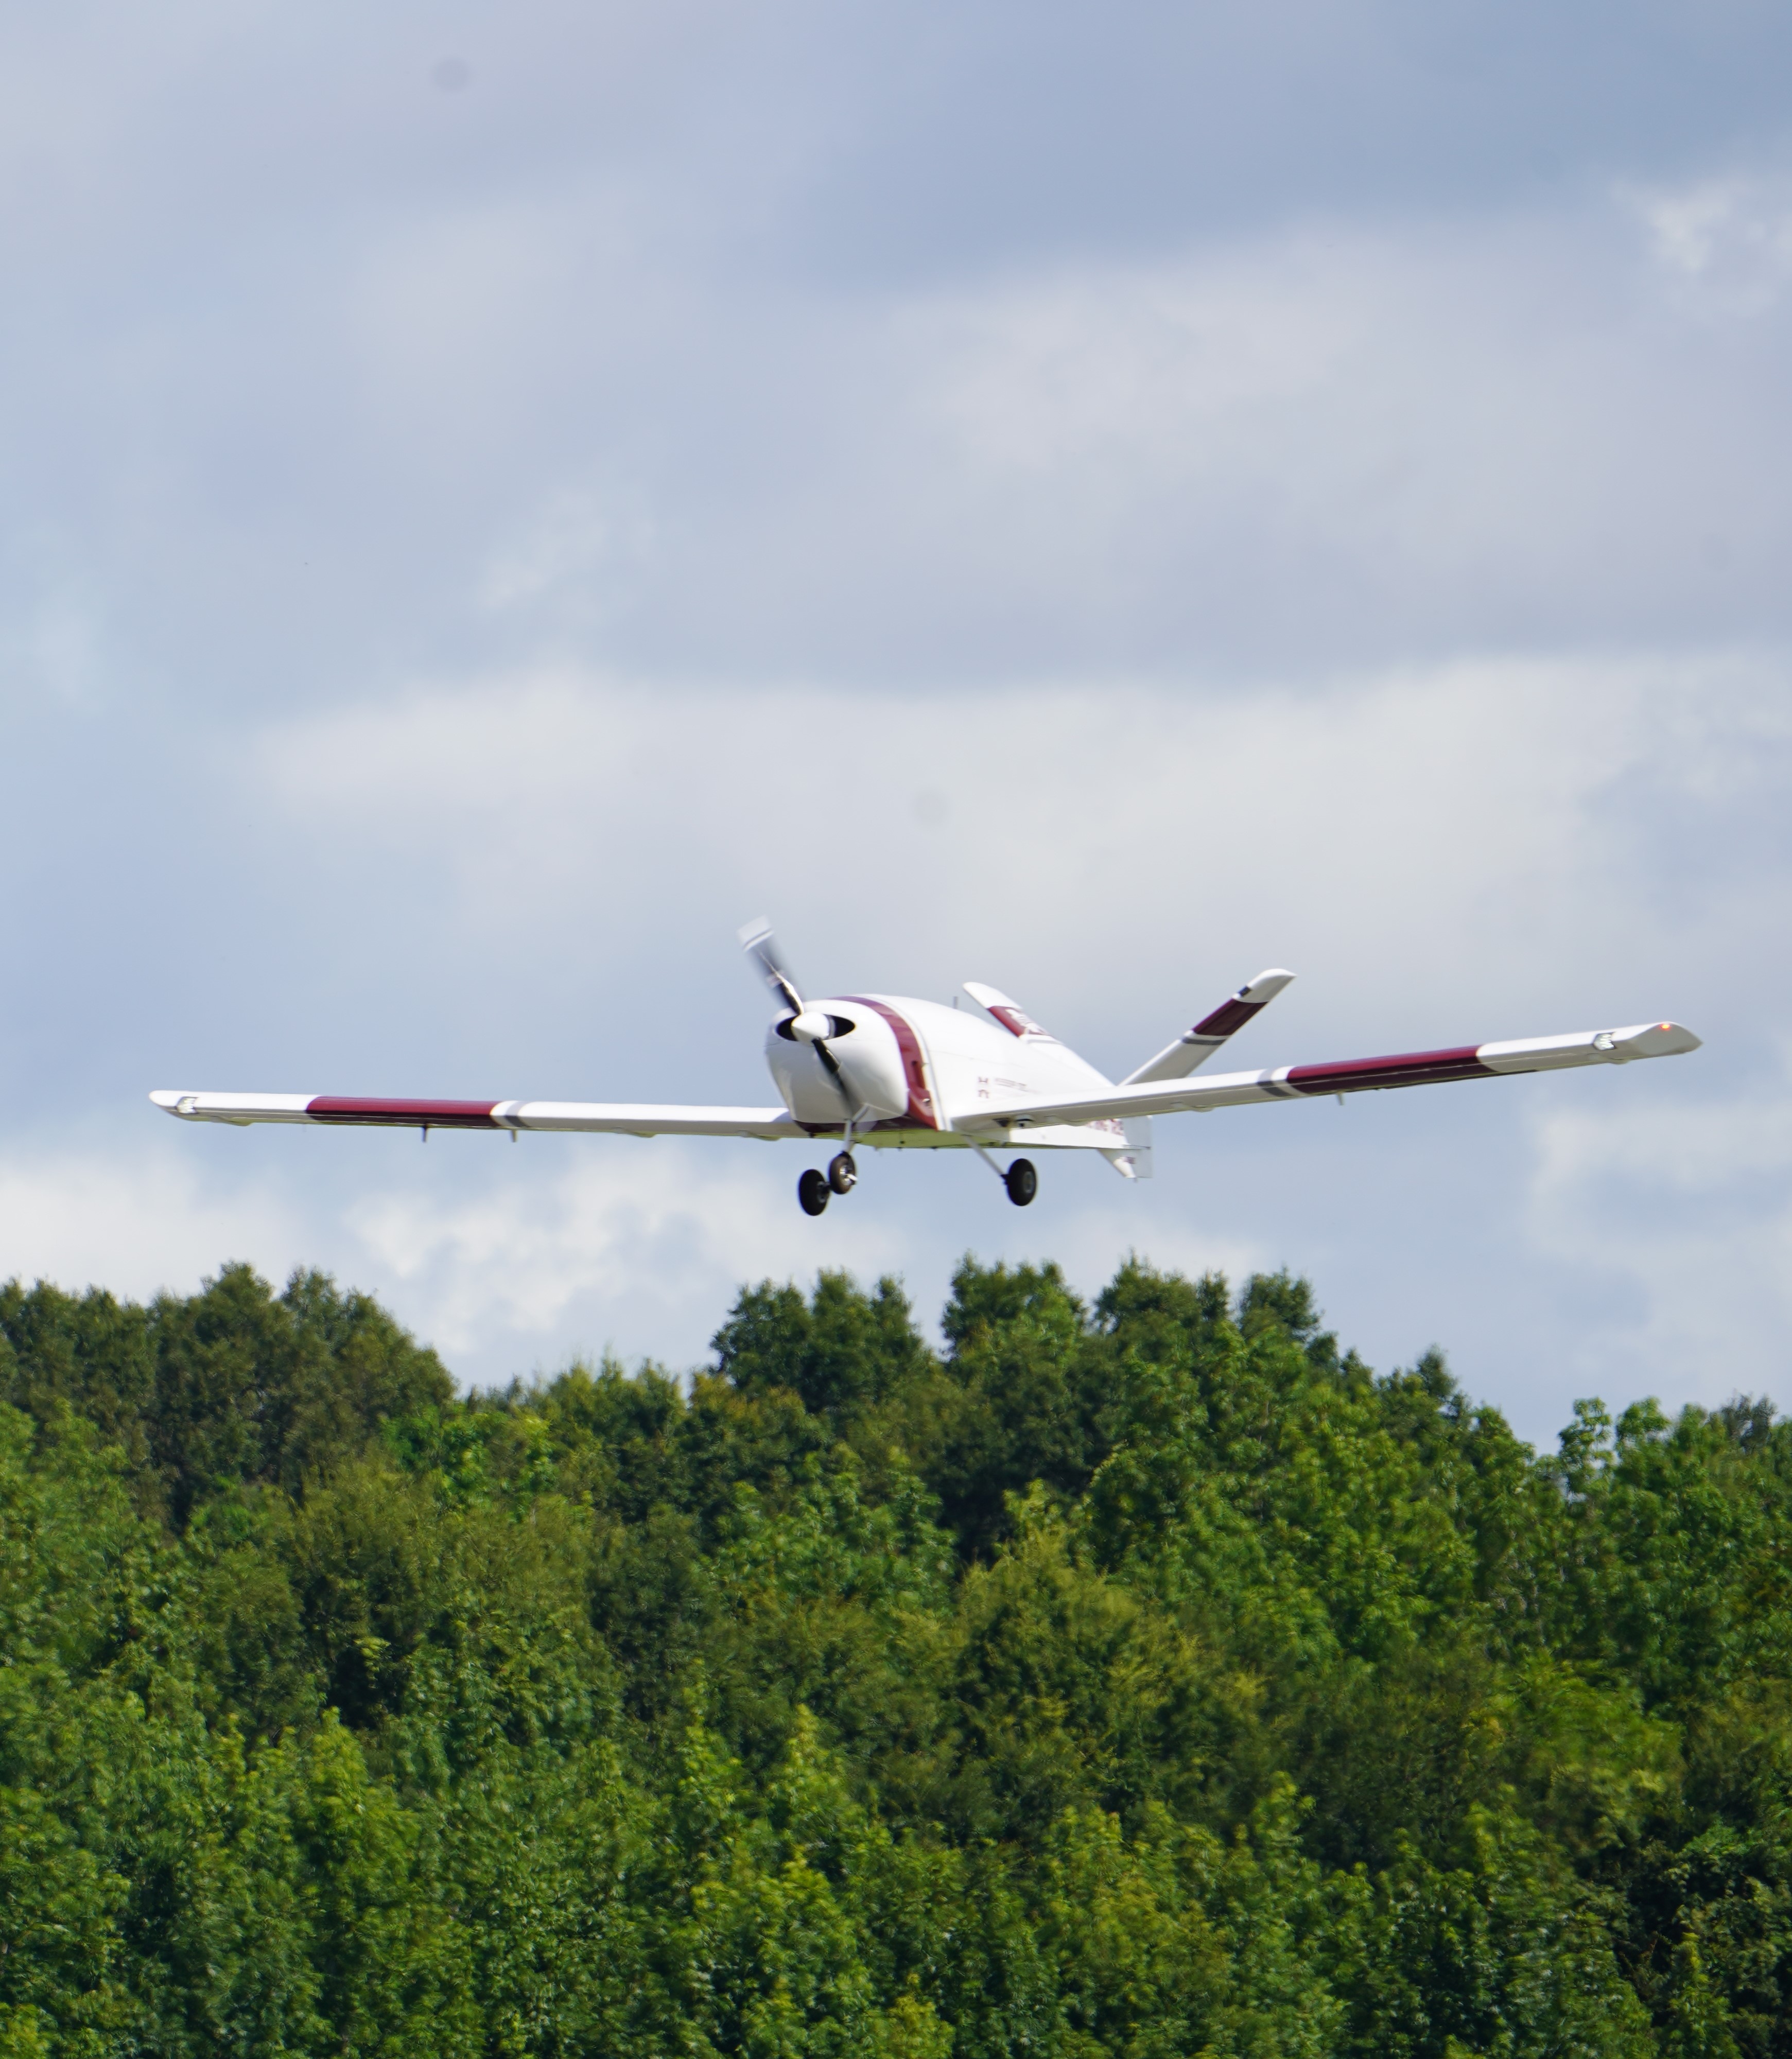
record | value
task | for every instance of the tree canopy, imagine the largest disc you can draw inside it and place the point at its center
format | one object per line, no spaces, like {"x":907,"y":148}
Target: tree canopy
{"x":1149,"y":1678}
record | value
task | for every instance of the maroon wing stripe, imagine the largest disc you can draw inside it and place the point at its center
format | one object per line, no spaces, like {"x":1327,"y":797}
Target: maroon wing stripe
{"x":404,"y":1114}
{"x":1227,"y":1019}
{"x":1012,"y":1020}
{"x":914,"y":1071}
{"x":1407,"y":1069}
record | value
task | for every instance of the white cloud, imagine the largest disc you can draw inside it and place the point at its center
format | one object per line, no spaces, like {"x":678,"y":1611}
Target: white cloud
{"x":498,"y":422}
{"x":1419,"y":846}
{"x":574,"y":1246}
{"x":573,"y":544}
{"x":1728,"y":240}
{"x":549,"y":1255}
{"x":1382,"y":441}
{"x":505,"y":1268}
{"x":136,"y":1221}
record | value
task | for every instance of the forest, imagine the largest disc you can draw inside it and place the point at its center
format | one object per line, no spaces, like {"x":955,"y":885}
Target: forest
{"x":1148,"y":1677}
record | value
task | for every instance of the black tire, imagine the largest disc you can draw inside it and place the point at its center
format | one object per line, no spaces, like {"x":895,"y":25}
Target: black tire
{"x":843,"y":1174}
{"x":1021,"y":1181}
{"x":811,"y":1190}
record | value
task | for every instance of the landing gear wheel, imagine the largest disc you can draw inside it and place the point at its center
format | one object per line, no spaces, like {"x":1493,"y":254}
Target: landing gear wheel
{"x":811,"y":1190}
{"x":843,"y":1174}
{"x":1022,"y":1182}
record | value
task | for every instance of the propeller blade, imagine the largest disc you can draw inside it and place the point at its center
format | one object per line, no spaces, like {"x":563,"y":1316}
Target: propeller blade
{"x":760,"y":946}
{"x":757,"y":939}
{"x":832,"y":1065}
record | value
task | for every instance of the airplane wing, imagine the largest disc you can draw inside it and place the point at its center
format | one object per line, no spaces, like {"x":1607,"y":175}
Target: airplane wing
{"x":1407,"y":1069}
{"x":626,"y":1118}
{"x":1194,"y":1047}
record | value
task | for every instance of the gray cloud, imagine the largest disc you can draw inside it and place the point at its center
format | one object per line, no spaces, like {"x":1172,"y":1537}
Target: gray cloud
{"x":304,"y":352}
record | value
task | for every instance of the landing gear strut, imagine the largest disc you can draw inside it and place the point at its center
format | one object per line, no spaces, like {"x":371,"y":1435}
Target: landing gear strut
{"x":811,"y":1191}
{"x":843,"y":1173}
{"x":1021,"y":1181}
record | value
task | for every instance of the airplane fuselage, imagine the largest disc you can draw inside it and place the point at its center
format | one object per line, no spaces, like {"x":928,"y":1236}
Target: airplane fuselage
{"x":912,"y":1072}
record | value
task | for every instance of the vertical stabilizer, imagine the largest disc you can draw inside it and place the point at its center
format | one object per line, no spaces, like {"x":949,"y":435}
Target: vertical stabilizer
{"x":1194,"y":1047}
{"x":1012,"y":1017}
{"x":1134,"y":1162}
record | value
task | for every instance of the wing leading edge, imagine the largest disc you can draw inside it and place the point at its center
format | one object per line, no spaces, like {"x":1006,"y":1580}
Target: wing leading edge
{"x":624,"y":1118}
{"x":1405,"y":1068}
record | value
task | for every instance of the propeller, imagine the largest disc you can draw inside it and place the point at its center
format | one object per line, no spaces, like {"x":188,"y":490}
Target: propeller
{"x":762,"y":947}
{"x":812,"y":1028}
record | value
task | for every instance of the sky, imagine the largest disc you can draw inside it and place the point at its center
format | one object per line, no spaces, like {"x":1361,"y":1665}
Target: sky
{"x":1099,"y":501}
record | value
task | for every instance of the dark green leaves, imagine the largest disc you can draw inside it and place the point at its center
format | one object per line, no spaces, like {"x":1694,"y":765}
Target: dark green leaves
{"x":1146,"y":1678}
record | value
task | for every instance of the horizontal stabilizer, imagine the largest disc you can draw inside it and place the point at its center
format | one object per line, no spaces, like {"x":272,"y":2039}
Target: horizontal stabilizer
{"x":1194,"y":1047}
{"x":1405,"y":1068}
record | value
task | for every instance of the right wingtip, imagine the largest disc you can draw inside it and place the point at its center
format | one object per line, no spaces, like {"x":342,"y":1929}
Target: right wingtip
{"x":1657,"y":1040}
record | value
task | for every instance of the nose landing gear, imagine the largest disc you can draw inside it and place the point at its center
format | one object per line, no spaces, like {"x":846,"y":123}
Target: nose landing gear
{"x":842,"y":1175}
{"x":815,"y":1190}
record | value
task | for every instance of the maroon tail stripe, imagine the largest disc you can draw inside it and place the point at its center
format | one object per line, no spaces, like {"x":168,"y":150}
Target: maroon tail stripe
{"x":1227,"y":1019}
{"x":404,"y":1114}
{"x":1408,"y":1068}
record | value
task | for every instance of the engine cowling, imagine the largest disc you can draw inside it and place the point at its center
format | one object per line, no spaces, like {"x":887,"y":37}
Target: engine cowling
{"x":860,"y":1042}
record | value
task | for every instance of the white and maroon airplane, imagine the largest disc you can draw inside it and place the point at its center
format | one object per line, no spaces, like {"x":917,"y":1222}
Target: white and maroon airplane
{"x":882,"y":1069}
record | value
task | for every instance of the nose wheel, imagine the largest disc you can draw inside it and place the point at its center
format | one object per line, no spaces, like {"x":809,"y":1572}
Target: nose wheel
{"x":815,"y":1190}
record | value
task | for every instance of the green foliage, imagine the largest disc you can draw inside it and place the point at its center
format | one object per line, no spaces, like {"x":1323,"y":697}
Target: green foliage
{"x":1147,"y":1677}
{"x":233,"y":1385}
{"x":836,"y":1351}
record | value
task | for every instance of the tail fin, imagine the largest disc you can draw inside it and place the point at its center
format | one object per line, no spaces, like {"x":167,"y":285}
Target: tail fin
{"x":1012,"y":1017}
{"x":1134,"y":1161}
{"x":1194,"y":1047}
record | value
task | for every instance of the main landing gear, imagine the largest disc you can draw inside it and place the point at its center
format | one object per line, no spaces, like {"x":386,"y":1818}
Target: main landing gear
{"x":1021,"y":1179}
